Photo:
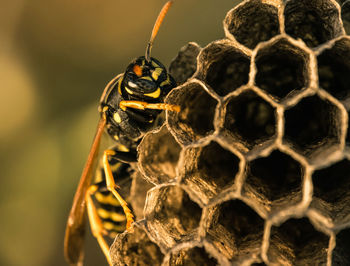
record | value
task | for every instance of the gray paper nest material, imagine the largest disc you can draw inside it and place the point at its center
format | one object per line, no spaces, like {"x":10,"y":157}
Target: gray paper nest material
{"x":255,"y":168}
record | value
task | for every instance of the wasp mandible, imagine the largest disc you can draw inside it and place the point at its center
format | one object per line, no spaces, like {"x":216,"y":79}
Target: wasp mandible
{"x":129,"y":107}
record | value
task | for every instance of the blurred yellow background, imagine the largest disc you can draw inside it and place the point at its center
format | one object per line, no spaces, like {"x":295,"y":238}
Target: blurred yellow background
{"x":55,"y":59}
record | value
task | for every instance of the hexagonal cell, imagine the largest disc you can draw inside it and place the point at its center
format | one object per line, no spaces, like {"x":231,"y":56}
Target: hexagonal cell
{"x":252,"y":22}
{"x":282,"y":69}
{"x":172,"y":217}
{"x":314,"y":21}
{"x":274,"y":180}
{"x":192,"y":257}
{"x":334,"y":69}
{"x":312,"y":127}
{"x":208,"y":170}
{"x":196,"y":118}
{"x":223,"y":67}
{"x":249,"y":119}
{"x":332,"y":190}
{"x":235,"y":230}
{"x":297,"y":242}
{"x":185,"y":63}
{"x":158,"y":156}
{"x":341,"y":253}
{"x":135,"y":248}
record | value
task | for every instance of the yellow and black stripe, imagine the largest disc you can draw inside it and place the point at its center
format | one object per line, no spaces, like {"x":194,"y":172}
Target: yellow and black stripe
{"x":108,"y":207}
{"x":110,"y":212}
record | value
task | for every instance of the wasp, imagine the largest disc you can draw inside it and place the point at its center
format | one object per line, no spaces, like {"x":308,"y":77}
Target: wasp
{"x":129,"y":107}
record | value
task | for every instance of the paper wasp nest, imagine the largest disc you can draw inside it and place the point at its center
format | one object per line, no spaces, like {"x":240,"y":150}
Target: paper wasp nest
{"x":255,"y":169}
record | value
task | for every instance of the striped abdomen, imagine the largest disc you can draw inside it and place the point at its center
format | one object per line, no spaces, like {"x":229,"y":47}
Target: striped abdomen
{"x":107,"y":206}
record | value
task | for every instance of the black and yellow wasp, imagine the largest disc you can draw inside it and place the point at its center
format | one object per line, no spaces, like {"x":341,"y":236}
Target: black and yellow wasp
{"x":129,"y":107}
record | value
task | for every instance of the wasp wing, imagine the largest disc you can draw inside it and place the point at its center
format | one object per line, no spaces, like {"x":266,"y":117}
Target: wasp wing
{"x":75,"y":229}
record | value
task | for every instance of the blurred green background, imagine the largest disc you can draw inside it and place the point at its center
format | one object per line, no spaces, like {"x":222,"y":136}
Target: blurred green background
{"x":55,"y":59}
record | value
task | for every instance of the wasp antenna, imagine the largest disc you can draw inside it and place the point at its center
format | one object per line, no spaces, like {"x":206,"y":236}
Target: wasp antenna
{"x":156,"y":28}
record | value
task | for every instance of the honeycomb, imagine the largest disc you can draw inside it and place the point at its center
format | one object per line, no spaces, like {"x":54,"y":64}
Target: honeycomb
{"x":255,"y":169}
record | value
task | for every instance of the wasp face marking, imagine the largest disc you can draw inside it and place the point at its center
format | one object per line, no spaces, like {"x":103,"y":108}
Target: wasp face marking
{"x":128,"y":90}
{"x":137,"y":70}
{"x":155,"y":94}
{"x":147,"y":78}
{"x":156,"y":73}
{"x":132,"y":85}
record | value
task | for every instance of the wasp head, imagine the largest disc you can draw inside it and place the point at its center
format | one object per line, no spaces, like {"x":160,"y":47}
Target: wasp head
{"x":147,"y":79}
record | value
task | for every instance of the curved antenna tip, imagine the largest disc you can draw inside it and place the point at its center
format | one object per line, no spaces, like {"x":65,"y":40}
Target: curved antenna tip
{"x":156,"y":27}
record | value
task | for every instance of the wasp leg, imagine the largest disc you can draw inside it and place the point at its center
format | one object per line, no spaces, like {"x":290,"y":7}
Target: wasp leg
{"x":143,"y":105}
{"x":95,"y":223}
{"x":111,"y":186}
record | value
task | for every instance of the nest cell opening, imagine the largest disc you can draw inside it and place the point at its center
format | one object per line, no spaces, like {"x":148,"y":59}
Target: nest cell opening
{"x":158,"y":156}
{"x":314,"y":21}
{"x":250,"y":119}
{"x":192,"y":257}
{"x":226,"y":70}
{"x":281,"y":69}
{"x":341,"y":253}
{"x":313,"y":125}
{"x":237,"y":228}
{"x":276,"y":177}
{"x":175,"y":212}
{"x":334,"y":69}
{"x":210,"y":169}
{"x":252,"y":23}
{"x":332,"y":186}
{"x":297,"y":242}
{"x":135,"y":248}
{"x":196,"y":118}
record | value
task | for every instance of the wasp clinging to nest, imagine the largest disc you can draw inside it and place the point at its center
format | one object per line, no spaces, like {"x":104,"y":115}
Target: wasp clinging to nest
{"x":129,"y":107}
